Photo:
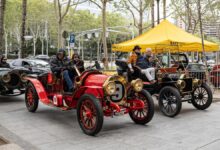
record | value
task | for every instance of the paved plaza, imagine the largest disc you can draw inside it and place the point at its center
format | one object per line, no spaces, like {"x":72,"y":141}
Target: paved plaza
{"x":52,"y":129}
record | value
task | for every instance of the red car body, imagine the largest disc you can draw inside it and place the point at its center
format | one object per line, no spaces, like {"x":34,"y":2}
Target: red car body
{"x":90,"y":98}
{"x":215,"y":75}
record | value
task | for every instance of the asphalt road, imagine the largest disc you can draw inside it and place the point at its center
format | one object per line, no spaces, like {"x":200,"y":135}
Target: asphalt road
{"x":52,"y":129}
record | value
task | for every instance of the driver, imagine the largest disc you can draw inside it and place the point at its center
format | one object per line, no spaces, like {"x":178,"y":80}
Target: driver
{"x":59,"y":65}
{"x":3,"y":62}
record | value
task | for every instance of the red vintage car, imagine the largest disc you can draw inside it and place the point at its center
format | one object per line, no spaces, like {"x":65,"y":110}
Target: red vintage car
{"x":215,"y":75}
{"x":96,"y":95}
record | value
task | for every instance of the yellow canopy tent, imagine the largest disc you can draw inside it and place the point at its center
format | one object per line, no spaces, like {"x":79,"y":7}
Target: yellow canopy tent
{"x":166,"y":37}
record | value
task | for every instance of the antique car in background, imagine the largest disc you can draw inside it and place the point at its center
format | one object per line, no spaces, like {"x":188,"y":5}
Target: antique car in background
{"x":96,"y":95}
{"x":172,"y":88}
{"x":215,"y":76}
{"x":12,"y":81}
{"x":34,"y":66}
{"x":43,"y":57}
{"x":181,"y":62}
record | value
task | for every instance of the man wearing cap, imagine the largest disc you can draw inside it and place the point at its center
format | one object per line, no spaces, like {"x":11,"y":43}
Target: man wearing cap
{"x":133,"y":58}
{"x":59,"y":65}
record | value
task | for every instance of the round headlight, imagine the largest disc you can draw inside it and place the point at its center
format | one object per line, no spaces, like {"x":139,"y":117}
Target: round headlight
{"x":6,"y":78}
{"x":110,"y":88}
{"x":23,"y":75}
{"x":197,"y":82}
{"x":137,"y":85}
{"x":181,"y":84}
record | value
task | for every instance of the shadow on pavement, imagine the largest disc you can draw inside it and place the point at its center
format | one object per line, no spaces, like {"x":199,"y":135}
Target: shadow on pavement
{"x":12,"y":99}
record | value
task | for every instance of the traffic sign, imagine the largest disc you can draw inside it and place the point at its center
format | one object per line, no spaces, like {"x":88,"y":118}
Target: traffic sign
{"x":72,"y":40}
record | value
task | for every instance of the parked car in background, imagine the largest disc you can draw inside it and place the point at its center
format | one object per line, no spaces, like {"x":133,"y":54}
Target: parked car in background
{"x":43,"y":57}
{"x":211,"y":63}
{"x":181,"y":62}
{"x":196,"y":70}
{"x":34,"y":66}
{"x":215,"y":75}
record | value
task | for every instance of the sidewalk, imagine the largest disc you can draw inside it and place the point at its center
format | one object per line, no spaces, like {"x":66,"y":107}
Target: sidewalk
{"x":216,"y":95}
{"x":10,"y":147}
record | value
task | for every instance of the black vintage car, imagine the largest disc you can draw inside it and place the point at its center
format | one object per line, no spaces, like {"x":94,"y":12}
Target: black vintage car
{"x":12,"y":81}
{"x":34,"y":66}
{"x":172,"y":88}
{"x":181,"y":62}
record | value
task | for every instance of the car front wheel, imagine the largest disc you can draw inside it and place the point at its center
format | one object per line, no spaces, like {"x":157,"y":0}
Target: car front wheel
{"x":202,"y":97}
{"x":143,"y":116}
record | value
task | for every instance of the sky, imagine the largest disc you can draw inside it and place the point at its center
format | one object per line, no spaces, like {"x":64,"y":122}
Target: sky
{"x":94,"y":9}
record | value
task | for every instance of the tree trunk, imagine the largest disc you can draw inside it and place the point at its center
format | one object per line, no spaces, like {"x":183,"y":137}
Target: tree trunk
{"x":2,"y":9}
{"x":164,"y":9}
{"x":201,"y":30}
{"x":6,"y":44}
{"x":24,"y":13}
{"x":188,"y":11}
{"x":152,"y":14}
{"x":42,"y":46}
{"x":34,"y":42}
{"x":60,"y":30}
{"x":140,"y":26}
{"x":158,"y":11}
{"x":104,"y":24}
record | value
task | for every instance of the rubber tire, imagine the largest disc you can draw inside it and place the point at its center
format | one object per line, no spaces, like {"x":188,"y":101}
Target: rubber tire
{"x":35,"y":98}
{"x":209,"y":101}
{"x":99,"y":113}
{"x":178,"y":99}
{"x":150,"y":114}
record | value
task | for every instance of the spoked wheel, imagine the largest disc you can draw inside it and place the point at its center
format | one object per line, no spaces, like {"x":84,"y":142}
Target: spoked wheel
{"x":202,"y":97}
{"x":90,"y":114}
{"x":170,"y":101}
{"x":31,"y":98}
{"x":143,"y":116}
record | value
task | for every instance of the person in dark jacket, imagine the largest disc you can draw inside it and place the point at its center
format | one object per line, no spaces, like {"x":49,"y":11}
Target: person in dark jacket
{"x":77,"y":62}
{"x":3,"y":62}
{"x":60,"y":64}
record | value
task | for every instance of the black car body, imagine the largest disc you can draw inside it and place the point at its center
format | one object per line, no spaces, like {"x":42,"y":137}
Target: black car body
{"x":12,"y":81}
{"x":34,"y":66}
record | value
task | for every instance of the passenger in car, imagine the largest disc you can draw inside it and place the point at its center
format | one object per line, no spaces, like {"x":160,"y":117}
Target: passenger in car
{"x":78,"y":62}
{"x":3,"y":62}
{"x":145,"y":63}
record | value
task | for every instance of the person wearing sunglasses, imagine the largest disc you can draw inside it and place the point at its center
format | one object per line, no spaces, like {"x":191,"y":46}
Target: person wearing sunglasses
{"x":3,"y":62}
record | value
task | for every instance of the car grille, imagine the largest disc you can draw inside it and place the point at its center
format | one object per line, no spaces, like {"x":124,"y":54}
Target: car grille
{"x":197,"y":75}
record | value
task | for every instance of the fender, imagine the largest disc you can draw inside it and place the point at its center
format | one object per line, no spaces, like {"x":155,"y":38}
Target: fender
{"x":39,"y":89}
